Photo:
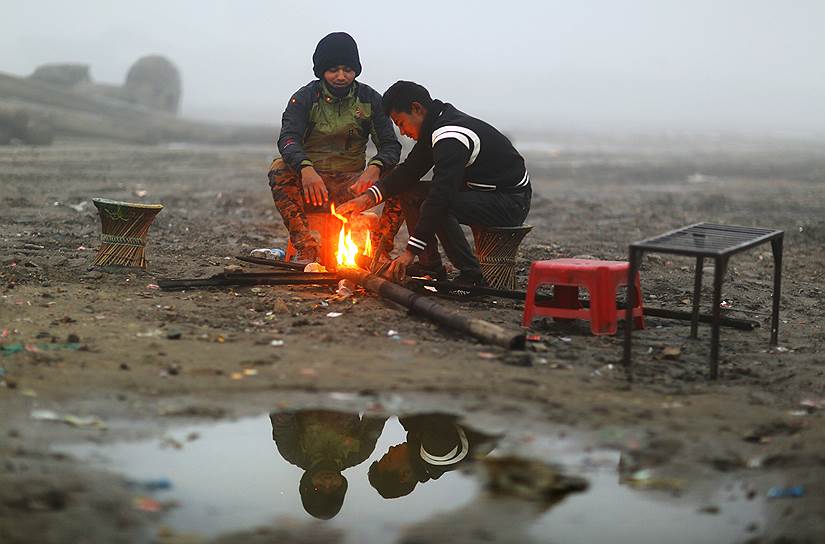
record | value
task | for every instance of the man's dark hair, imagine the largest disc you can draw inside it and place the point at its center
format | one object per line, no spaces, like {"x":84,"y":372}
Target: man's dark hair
{"x":388,"y":482}
{"x":401,"y":95}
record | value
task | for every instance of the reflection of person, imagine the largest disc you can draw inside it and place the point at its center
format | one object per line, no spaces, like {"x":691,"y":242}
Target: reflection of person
{"x":478,"y":177}
{"x":435,"y":444}
{"x":323,"y":141}
{"x":324,"y":443}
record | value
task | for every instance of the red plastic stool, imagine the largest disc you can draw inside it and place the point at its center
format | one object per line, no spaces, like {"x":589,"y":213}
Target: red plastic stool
{"x":600,"y":278}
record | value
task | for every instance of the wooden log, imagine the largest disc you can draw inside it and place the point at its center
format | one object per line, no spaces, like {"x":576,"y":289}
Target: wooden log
{"x":425,"y":306}
{"x":250,"y":279}
{"x":447,"y":287}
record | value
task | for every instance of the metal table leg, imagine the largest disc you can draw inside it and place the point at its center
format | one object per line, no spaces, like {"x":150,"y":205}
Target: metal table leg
{"x":697,"y":294}
{"x":776,"y":247}
{"x":720,"y":263}
{"x":634,"y":260}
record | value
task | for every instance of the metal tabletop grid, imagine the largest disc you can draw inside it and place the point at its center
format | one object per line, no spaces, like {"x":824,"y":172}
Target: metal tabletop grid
{"x":701,"y":241}
{"x":707,"y":239}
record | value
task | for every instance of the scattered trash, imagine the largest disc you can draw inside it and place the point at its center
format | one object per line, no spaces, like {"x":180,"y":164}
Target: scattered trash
{"x":73,"y":420}
{"x":781,"y":349}
{"x":334,"y":314}
{"x":10,"y":349}
{"x":534,"y":338}
{"x":671,"y":352}
{"x":272,"y":254}
{"x":392,"y":332}
{"x":250,"y":371}
{"x":153,"y":286}
{"x":140,"y":193}
{"x":314,"y":267}
{"x":159,"y":484}
{"x":236,"y":376}
{"x":345,"y":288}
{"x":147,"y":504}
{"x":786,"y":492}
{"x":409,"y":342}
{"x":810,"y":404}
{"x":276,"y":343}
{"x":645,"y":479}
{"x":726,"y":304}
{"x":566,"y":339}
{"x":154,"y":333}
{"x":487,"y":355}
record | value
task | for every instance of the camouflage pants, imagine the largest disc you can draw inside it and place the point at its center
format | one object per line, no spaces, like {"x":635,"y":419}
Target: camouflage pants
{"x":287,"y":193}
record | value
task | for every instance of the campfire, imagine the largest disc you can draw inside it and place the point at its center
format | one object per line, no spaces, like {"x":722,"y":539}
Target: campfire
{"x":348,"y":251}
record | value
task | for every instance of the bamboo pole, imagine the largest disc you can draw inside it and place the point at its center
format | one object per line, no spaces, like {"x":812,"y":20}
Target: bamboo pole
{"x":425,"y":306}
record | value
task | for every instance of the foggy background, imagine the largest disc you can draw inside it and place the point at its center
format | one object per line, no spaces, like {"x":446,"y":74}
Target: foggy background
{"x":737,"y":65}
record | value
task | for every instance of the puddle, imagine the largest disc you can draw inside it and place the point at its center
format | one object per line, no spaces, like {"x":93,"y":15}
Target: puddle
{"x":247,"y":473}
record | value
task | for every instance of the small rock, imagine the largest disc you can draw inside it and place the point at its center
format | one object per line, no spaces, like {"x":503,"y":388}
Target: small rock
{"x":73,"y":339}
{"x":173,"y":334}
{"x":671,"y":352}
{"x":124,"y":366}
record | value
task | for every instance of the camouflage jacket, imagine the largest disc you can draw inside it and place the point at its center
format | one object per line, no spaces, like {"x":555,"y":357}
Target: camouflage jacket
{"x":331,"y":133}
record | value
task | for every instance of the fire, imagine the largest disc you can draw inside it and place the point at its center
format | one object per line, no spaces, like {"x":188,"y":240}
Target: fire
{"x":347,"y":248}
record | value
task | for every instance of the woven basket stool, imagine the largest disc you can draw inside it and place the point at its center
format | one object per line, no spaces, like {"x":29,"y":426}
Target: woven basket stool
{"x":124,"y":228}
{"x":496,"y":249}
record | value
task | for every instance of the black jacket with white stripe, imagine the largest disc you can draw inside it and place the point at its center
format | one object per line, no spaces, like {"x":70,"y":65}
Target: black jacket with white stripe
{"x":466,"y":154}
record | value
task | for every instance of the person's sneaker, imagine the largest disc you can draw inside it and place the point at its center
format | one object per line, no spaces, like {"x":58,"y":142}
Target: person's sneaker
{"x":470,"y":279}
{"x":417,"y":270}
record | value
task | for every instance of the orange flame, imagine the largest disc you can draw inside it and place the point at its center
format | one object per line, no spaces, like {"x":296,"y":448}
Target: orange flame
{"x":347,"y":249}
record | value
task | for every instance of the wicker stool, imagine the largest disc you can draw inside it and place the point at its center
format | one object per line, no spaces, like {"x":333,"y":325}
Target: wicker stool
{"x":496,"y":249}
{"x":124,"y":228}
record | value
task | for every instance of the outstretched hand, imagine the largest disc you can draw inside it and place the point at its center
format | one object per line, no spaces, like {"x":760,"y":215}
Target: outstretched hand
{"x":366,"y":179}
{"x":356,"y":205}
{"x":398,"y":268}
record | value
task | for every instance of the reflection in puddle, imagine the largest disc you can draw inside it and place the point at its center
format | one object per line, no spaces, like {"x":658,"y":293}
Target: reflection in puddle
{"x":401,"y":479}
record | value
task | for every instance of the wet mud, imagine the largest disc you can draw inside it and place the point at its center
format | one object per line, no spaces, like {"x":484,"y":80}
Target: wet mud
{"x":85,"y":351}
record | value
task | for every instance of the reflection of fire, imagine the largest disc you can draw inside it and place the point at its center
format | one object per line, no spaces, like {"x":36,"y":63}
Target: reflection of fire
{"x":347,"y":249}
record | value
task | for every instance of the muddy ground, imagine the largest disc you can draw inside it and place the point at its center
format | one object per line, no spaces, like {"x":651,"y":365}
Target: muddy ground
{"x":159,"y":357}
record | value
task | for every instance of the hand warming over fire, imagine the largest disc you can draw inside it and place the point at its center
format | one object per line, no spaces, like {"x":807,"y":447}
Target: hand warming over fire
{"x":366,"y":180}
{"x":398,"y":268}
{"x":315,"y":192}
{"x":356,"y":205}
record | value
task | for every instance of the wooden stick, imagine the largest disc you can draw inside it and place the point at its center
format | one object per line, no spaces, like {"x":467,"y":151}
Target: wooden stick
{"x":427,"y":307}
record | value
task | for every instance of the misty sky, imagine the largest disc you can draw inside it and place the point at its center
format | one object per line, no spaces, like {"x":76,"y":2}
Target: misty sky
{"x":688,"y":64}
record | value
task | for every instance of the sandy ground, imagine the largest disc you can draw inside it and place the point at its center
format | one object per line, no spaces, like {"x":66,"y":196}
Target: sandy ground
{"x":158,"y":357}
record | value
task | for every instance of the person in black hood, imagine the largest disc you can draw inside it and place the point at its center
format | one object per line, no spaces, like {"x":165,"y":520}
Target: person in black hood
{"x":323,"y":142}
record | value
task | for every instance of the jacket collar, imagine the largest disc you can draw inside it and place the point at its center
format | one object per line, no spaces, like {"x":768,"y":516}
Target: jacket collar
{"x":327,"y":95}
{"x":435,"y":110}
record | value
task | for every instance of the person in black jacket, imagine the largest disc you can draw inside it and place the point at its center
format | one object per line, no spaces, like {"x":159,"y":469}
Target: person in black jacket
{"x":478,"y":177}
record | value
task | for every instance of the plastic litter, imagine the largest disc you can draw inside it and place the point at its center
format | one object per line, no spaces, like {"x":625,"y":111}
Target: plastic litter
{"x":786,"y":492}
{"x":10,"y":349}
{"x":147,"y":504}
{"x":345,"y":288}
{"x":315,"y":267}
{"x":70,"y":419}
{"x":271,"y":253}
{"x":276,"y":343}
{"x":157,"y":484}
{"x":334,"y":314}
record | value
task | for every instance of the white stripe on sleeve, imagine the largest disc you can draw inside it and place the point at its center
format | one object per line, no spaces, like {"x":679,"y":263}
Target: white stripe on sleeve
{"x":465,"y":131}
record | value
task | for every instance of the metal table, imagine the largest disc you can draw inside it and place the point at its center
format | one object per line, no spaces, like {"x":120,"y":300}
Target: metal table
{"x":713,"y":241}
